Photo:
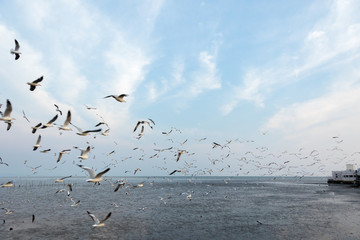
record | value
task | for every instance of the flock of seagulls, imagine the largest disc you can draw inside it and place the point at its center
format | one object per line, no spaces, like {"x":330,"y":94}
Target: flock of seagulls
{"x":176,"y":152}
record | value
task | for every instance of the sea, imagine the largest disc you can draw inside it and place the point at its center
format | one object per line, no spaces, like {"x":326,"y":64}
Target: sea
{"x":180,"y":208}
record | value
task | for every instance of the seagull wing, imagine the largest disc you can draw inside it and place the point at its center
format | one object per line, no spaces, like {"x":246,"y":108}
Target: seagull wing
{"x":38,"y":140}
{"x":39,"y":79}
{"x":8,"y":109}
{"x":53,"y":119}
{"x":102,"y":173}
{"x":106,"y":218}
{"x":17,"y":45}
{"x":68,"y":118}
{"x":136,"y":126}
{"x":95,"y":219}
{"x":90,"y":171}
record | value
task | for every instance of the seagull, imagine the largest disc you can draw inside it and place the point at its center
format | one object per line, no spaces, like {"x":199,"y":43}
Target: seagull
{"x":87,"y":132}
{"x":37,"y":145}
{"x":16,"y":50}
{"x":179,"y":154}
{"x":8,"y":184}
{"x":136,"y":170}
{"x":61,"y":153}
{"x":57,"y":109}
{"x":6,"y":116}
{"x":84,"y":153}
{"x":119,"y":98}
{"x":7,"y":211}
{"x":74,"y":203}
{"x":24,"y":116}
{"x":95,"y":178}
{"x":45,"y":151}
{"x":35,"y":83}
{"x":50,"y":123}
{"x":96,"y":220}
{"x":62,"y":179}
{"x":34,"y":129}
{"x":66,"y":127}
{"x":141,"y":122}
{"x":118,"y":186}
{"x":63,"y":190}
{"x":175,"y":172}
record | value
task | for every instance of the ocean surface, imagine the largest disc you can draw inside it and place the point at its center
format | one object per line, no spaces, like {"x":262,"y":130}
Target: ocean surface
{"x":219,"y":208}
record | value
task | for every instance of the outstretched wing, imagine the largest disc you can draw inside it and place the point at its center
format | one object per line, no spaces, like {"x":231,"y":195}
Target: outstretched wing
{"x":90,"y":171}
{"x":106,"y":218}
{"x":95,"y":219}
{"x":102,"y":173}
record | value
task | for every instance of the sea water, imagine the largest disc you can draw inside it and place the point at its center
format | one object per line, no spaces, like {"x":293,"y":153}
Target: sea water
{"x":181,"y":208}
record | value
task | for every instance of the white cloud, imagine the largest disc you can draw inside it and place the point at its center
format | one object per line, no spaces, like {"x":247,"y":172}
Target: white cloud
{"x":207,"y":77}
{"x":328,"y":115}
{"x":329,"y":43}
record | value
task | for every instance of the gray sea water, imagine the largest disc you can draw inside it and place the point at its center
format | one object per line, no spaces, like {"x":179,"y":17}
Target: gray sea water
{"x":220,"y":208}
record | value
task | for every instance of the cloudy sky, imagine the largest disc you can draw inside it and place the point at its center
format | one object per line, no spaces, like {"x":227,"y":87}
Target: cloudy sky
{"x":275,"y":83}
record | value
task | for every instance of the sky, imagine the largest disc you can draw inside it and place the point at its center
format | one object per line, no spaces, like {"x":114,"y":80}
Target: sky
{"x":274,"y":83}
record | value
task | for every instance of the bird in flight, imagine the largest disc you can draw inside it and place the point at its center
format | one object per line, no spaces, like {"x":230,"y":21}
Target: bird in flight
{"x":6,"y":115}
{"x":96,"y":220}
{"x":35,"y":83}
{"x":119,"y":98}
{"x":16,"y":50}
{"x":95,"y":178}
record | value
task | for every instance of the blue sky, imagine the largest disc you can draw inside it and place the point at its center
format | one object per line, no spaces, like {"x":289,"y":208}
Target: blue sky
{"x":273,"y":77}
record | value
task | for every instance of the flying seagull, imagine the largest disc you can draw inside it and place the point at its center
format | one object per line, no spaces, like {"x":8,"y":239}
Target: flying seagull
{"x":61,"y":153}
{"x":50,"y":123}
{"x":35,"y":83}
{"x":96,"y":220}
{"x":16,"y":50}
{"x":6,"y":116}
{"x":95,"y":178}
{"x":119,"y":98}
{"x":58,"y":109}
{"x":65,"y":126}
{"x":62,"y":179}
{"x":8,"y":184}
{"x":84,"y":153}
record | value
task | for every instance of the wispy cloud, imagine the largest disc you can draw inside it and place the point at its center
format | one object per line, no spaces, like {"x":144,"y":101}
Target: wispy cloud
{"x":207,"y":77}
{"x":332,"y":40}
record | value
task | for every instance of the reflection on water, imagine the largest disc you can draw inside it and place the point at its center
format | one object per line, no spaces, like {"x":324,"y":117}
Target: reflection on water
{"x":220,"y":208}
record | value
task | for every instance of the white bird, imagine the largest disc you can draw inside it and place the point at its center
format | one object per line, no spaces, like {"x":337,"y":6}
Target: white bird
{"x":84,"y":153}
{"x":95,"y":178}
{"x":62,"y":179}
{"x":8,"y":184}
{"x":35,"y":83}
{"x":50,"y":123}
{"x":63,"y":190}
{"x":74,"y":203}
{"x":37,"y":145}
{"x":66,"y":124}
{"x":16,"y":50}
{"x":6,"y":116}
{"x":119,"y":98}
{"x":61,"y":153}
{"x":96,"y":220}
